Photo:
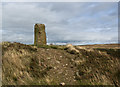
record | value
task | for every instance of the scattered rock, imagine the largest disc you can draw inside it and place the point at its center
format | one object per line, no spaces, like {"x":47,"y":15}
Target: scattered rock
{"x":79,"y":61}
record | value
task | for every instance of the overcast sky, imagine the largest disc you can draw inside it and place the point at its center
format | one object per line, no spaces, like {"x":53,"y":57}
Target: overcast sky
{"x":65,"y":21}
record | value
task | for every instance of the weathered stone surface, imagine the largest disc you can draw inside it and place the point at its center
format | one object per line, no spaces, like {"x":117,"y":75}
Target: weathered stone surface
{"x":39,"y":35}
{"x":71,"y":49}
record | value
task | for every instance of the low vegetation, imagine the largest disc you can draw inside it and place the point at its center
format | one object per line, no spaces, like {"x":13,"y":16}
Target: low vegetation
{"x":56,"y":65}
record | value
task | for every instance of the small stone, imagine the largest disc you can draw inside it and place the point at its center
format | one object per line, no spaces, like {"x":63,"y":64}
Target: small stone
{"x":60,"y":56}
{"x":48,"y":58}
{"x":74,"y":80}
{"x":47,"y":80}
{"x":47,"y":49}
{"x":62,"y":83}
{"x":66,"y":64}
{"x":21,"y":73}
{"x":55,"y":67}
{"x":74,"y":77}
{"x":72,"y":59}
{"x":65,"y":74}
{"x":58,"y":61}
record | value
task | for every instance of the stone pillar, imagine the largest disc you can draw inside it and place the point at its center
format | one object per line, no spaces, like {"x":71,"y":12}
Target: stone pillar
{"x":39,"y":34}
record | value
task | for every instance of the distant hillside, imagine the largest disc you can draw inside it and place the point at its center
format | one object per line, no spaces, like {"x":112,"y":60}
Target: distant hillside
{"x":60,"y":65}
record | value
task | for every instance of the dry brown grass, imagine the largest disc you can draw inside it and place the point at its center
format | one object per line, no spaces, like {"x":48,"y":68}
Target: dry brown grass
{"x":53,"y":65}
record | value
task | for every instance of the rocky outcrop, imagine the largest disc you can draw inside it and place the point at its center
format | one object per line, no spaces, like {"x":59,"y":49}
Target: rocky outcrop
{"x":71,"y":49}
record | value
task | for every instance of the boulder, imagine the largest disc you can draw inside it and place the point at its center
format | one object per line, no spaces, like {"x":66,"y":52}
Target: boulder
{"x":71,"y":49}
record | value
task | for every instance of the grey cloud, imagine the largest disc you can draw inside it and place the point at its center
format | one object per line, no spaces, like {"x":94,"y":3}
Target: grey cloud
{"x":64,"y":21}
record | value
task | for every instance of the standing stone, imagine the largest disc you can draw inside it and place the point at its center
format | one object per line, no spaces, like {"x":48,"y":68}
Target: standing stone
{"x":39,"y":35}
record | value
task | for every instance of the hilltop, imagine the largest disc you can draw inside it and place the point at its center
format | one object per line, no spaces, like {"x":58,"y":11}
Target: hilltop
{"x":65,"y":65}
